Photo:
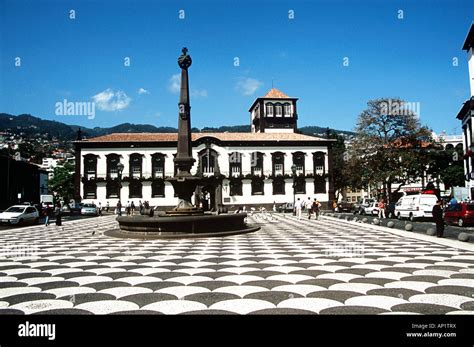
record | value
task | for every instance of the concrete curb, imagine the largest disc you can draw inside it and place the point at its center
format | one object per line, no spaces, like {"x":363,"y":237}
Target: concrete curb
{"x":408,"y":234}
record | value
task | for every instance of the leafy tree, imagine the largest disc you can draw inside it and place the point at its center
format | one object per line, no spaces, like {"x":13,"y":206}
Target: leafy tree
{"x":446,"y":165}
{"x":390,"y":145}
{"x":345,"y":172}
{"x":62,"y":182}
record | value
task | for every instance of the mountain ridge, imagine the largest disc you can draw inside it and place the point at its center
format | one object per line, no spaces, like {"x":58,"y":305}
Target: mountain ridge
{"x":31,"y":125}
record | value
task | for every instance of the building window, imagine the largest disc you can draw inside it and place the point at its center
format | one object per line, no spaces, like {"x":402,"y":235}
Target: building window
{"x":287,"y":110}
{"x":319,"y":185}
{"x":135,"y":189}
{"x":319,"y":163}
{"x":300,"y":185}
{"x":257,"y":186}
{"x":235,"y":187}
{"x":208,"y":161}
{"x":278,"y":159}
{"x":158,"y":189}
{"x":298,"y":161}
{"x":112,"y":190}
{"x":235,"y":164}
{"x":278,"y":111}
{"x":158,"y":165}
{"x":112,"y":161}
{"x":90,"y":166}
{"x":136,"y":165}
{"x":269,"y":110}
{"x":90,"y":190}
{"x":278,"y":186}
{"x":256,"y":164}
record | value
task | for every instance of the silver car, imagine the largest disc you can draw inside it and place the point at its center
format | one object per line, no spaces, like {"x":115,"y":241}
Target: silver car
{"x":89,"y":210}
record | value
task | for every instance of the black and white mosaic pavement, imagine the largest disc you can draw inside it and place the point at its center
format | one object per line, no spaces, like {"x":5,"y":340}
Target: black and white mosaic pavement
{"x":289,"y":266}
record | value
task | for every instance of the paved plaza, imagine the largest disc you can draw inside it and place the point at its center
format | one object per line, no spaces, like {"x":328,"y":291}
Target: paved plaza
{"x":289,"y":266}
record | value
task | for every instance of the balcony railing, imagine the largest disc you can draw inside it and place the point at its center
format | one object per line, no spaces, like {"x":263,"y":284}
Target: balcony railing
{"x":257,"y":171}
{"x":235,"y":171}
{"x":208,"y":170}
{"x":319,"y":170}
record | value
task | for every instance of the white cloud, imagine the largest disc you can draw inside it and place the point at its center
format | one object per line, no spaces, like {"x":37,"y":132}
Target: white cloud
{"x":247,"y":85}
{"x":199,"y":93}
{"x":143,"y":91}
{"x":175,"y":83}
{"x":108,"y":100}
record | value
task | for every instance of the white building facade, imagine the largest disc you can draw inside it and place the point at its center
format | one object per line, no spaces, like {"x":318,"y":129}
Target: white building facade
{"x":466,"y":114}
{"x":238,"y":169}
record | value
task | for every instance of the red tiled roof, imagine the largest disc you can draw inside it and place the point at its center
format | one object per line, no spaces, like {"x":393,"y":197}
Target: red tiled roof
{"x":276,"y":94}
{"x":173,"y":137}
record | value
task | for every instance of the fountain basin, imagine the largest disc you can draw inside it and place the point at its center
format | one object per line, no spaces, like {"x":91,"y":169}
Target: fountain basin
{"x":172,"y":226}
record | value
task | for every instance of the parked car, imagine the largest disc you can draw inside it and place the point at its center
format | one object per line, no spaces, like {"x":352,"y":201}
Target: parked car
{"x":75,"y":208}
{"x":19,"y":214}
{"x":372,"y":208}
{"x":415,"y":206}
{"x":286,"y":207}
{"x":362,"y":205}
{"x":90,"y":210}
{"x":460,"y":214}
{"x":345,"y":206}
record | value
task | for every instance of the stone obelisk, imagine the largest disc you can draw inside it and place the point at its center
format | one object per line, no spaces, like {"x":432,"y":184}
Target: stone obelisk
{"x":184,"y":183}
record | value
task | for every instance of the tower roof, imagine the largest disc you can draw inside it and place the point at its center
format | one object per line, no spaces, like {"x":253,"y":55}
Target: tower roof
{"x":272,"y":94}
{"x":275,"y":94}
{"x":469,"y":42}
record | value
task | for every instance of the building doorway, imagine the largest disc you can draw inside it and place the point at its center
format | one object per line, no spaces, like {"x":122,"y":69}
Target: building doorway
{"x":208,"y":198}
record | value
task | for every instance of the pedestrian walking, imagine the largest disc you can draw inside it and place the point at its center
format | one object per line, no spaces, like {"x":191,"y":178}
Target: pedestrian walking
{"x":107,"y":207}
{"x":100,"y":209}
{"x":316,"y":208}
{"x":57,"y":213}
{"x":132,"y":208}
{"x":298,"y":208}
{"x":140,"y":207}
{"x":309,"y":207}
{"x":381,"y":207}
{"x":46,"y":214}
{"x":334,"y":206}
{"x":438,"y":218}
{"x":127,"y":208}
{"x":119,"y":208}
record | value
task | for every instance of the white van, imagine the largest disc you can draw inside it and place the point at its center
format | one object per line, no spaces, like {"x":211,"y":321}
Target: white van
{"x":415,"y":206}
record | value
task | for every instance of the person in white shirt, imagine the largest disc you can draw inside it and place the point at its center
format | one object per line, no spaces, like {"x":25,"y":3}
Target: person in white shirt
{"x":299,"y":205}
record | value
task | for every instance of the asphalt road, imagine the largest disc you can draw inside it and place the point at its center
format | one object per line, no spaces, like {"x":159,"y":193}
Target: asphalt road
{"x":42,"y":220}
{"x":420,"y":226}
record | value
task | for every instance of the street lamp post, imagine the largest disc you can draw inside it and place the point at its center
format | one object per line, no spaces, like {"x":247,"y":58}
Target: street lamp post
{"x":293,"y":170}
{"x":120,"y":168}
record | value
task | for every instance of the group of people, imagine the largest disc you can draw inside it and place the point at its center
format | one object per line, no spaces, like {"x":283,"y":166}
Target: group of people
{"x":311,"y":206}
{"x":49,"y":212}
{"x":130,"y":207}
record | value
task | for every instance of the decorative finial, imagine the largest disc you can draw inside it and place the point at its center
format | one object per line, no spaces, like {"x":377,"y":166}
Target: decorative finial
{"x":184,"y":60}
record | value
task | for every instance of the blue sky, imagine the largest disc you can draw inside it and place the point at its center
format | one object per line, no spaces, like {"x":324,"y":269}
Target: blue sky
{"x":82,"y":59}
